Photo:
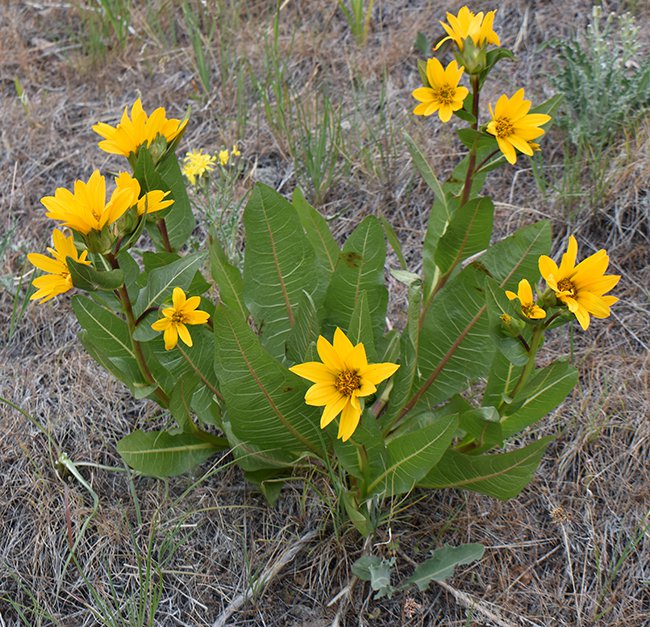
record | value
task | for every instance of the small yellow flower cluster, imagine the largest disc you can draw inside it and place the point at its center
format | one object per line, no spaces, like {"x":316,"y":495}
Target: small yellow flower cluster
{"x":581,"y":288}
{"x":86,"y":209}
{"x":182,"y":312}
{"x":512,"y":124}
{"x":198,"y":163}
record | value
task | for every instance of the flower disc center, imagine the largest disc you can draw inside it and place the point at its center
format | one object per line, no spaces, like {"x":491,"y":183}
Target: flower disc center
{"x":177,"y":317}
{"x":445,"y":94}
{"x":566,"y":285}
{"x":347,"y":382}
{"x":504,"y":127}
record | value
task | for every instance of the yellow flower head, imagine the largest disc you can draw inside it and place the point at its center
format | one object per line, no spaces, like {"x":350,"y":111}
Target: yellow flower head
{"x":467,"y":24}
{"x":196,"y":163}
{"x":581,"y":288}
{"x":138,"y":130}
{"x":344,"y":376}
{"x":150,"y":202}
{"x":514,"y":127}
{"x":526,"y":300}
{"x":443,"y":94}
{"x":235,"y":151}
{"x":224,"y":157}
{"x":183,"y":311}
{"x":85,"y":209}
{"x":58,"y":279}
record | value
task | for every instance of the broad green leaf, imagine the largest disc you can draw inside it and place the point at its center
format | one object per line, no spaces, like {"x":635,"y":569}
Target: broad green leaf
{"x":503,"y":475}
{"x":482,"y":428}
{"x":468,"y":233}
{"x":359,"y":328}
{"x":162,"y":454}
{"x":317,"y":232}
{"x":412,"y":455}
{"x":360,"y":517}
{"x":545,"y":390}
{"x":162,"y":281}
{"x":179,"y":219}
{"x":228,"y":279}
{"x":264,"y":400}
{"x":516,"y":257}
{"x":269,"y":481}
{"x":180,"y":399}
{"x":89,"y":279}
{"x":441,"y":566}
{"x":360,"y":267}
{"x":279,"y":265}
{"x":499,"y":307}
{"x":394,"y":242}
{"x":454,"y":344}
{"x":306,"y":330}
{"x":409,"y":345}
{"x":501,"y":380}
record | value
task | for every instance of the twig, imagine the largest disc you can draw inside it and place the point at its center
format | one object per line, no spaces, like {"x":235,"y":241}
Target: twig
{"x":264,"y":579}
{"x":474,"y":605}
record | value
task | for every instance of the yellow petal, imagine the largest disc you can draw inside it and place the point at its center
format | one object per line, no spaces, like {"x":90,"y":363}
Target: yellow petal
{"x":356,"y":360}
{"x":170,"y":336}
{"x":332,"y":410}
{"x":376,"y":373}
{"x":583,"y":317}
{"x":547,"y":267}
{"x":349,"y":420}
{"x":184,"y":334}
{"x":321,"y":394}
{"x":508,"y":150}
{"x":314,"y":371}
{"x":178,"y":298}
{"x":196,"y":317}
{"x":328,"y":355}
{"x":525,"y":292}
{"x":161,"y":325}
{"x":511,"y":295}
{"x":569,"y":257}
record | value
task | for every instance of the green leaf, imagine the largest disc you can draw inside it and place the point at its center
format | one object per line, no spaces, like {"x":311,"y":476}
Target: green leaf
{"x":360,"y":267}
{"x":228,"y":279}
{"x":305,"y":332}
{"x":468,"y":233}
{"x":472,"y":138}
{"x":317,"y":232}
{"x":394,"y":242}
{"x":543,"y":392}
{"x":279,"y":266}
{"x":265,"y":401}
{"x":516,"y":257}
{"x":503,"y":475}
{"x":88,"y":278}
{"x":179,"y":219}
{"x":482,"y":428}
{"x":454,"y":344}
{"x":162,"y":454}
{"x":441,"y":566}
{"x":163,"y":280}
{"x":360,"y":327}
{"x":377,"y":571}
{"x":502,"y":378}
{"x":412,"y":455}
{"x":423,"y":167}
{"x":549,"y":107}
{"x":349,"y":453}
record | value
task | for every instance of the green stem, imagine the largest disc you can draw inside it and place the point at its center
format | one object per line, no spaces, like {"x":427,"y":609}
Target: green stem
{"x":535,"y":343}
{"x":471,"y":166}
{"x":123,"y":296}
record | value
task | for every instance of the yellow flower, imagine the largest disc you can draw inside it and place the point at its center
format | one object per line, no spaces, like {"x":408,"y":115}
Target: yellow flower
{"x":85,"y":209}
{"x":196,"y":163}
{"x":526,"y":300}
{"x":138,"y":130}
{"x":514,"y":127}
{"x":183,"y":311}
{"x":58,"y":279}
{"x":150,"y":202}
{"x":467,"y":24}
{"x":443,"y":94}
{"x":224,"y":157}
{"x":235,"y":151}
{"x":344,"y":376}
{"x":581,"y":288}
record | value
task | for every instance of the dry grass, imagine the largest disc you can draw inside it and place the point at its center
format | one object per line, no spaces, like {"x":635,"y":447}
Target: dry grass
{"x":572,"y":549}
